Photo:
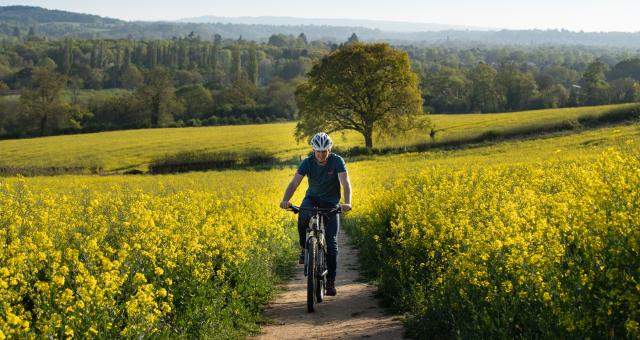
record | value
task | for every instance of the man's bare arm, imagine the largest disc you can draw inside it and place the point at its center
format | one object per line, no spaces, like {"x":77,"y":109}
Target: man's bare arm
{"x":346,"y":187}
{"x":291,"y":189}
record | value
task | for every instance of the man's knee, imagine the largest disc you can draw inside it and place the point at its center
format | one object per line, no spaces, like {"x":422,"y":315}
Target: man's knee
{"x":303,"y":222}
{"x":332,"y":251}
{"x":332,"y":244}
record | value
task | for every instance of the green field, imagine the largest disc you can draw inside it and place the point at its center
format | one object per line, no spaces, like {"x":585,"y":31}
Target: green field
{"x":374,"y":170}
{"x":134,"y":149}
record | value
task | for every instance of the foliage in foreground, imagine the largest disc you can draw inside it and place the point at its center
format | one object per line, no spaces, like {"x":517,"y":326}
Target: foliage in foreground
{"x":548,"y":250}
{"x":121,"y":262}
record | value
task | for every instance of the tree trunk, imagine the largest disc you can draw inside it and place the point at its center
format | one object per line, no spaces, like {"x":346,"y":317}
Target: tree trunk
{"x":155,"y":112}
{"x":43,"y":123}
{"x":368,"y":139}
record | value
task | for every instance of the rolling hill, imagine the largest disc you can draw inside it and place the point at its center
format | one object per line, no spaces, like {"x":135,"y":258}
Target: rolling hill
{"x":55,"y":24}
{"x":119,"y":151}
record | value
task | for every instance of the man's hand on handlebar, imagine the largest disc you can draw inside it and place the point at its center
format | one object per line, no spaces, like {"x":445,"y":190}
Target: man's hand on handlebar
{"x":345,"y":207}
{"x":285,"y":204}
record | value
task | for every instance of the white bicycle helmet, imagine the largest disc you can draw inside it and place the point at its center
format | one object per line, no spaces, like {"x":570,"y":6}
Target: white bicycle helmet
{"x":321,"y":142}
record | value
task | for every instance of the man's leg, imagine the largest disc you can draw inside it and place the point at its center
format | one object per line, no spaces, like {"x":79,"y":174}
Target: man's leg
{"x":303,"y":223}
{"x":331,"y":234}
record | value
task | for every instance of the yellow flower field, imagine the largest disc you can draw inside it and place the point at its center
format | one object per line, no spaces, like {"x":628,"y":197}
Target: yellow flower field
{"x":534,"y":235}
{"x":535,"y":249}
{"x":122,"y":261}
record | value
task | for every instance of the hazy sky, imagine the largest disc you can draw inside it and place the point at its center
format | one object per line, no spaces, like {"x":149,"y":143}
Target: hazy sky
{"x":587,"y":15}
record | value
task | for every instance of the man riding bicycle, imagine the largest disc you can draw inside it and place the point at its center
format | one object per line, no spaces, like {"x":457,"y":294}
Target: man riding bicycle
{"x":326,"y":172}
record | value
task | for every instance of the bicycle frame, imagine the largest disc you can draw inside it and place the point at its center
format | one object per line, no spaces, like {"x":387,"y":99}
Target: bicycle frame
{"x":316,"y":225}
{"x":315,"y":264}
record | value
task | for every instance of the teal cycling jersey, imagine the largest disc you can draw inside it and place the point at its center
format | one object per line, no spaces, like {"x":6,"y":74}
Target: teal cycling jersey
{"x":324,"y":184}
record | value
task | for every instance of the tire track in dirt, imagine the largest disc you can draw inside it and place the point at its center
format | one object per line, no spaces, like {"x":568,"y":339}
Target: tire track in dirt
{"x":354,"y":313}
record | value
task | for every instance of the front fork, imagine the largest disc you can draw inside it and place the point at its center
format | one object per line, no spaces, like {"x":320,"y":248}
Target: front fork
{"x":318,"y":233}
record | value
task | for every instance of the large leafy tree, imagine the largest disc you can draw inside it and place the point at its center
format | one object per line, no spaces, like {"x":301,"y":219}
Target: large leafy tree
{"x":131,"y":77}
{"x":484,"y":95}
{"x":158,"y":96}
{"x":446,"y":90}
{"x":360,"y":87}
{"x":42,"y":100}
{"x":626,"y":68}
{"x":197,"y":101}
{"x":519,"y":88}
{"x":595,"y":89}
{"x":42,"y":104}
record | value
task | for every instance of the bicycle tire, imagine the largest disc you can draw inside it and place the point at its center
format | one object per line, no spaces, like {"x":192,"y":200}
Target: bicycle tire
{"x":312,"y":273}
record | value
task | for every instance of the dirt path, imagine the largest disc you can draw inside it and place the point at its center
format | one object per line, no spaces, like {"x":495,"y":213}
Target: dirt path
{"x":354,"y":313}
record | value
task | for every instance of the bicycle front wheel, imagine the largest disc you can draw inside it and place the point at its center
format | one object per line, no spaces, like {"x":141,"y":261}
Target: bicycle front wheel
{"x":321,"y":274}
{"x":312,"y":273}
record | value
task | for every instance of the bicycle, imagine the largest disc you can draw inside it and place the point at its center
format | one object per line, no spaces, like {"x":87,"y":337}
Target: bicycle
{"x":315,"y":264}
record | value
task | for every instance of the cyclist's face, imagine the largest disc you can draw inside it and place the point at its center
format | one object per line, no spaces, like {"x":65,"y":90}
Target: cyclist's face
{"x":322,"y":156}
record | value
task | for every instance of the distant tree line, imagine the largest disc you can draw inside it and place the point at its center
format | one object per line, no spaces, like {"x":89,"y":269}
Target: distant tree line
{"x":461,"y":80}
{"x":177,"y":82}
{"x":54,"y":24}
{"x":190,"y":81}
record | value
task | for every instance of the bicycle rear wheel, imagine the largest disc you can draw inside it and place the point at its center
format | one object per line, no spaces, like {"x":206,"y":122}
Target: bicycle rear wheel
{"x":312,"y":273}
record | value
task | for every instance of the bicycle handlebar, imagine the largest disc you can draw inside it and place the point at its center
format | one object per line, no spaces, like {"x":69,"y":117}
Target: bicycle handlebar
{"x":324,"y":211}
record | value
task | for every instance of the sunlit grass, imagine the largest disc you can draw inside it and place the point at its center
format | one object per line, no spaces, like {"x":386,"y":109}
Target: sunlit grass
{"x":121,"y":150}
